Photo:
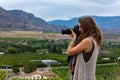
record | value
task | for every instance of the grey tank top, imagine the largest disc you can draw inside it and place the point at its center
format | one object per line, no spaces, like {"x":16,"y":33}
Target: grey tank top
{"x":86,"y":70}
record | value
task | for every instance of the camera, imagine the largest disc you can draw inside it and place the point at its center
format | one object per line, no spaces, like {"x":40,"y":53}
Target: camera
{"x":68,"y":30}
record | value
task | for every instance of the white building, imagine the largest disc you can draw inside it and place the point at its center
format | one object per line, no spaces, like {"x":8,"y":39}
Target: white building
{"x":33,"y":75}
{"x":118,"y":58}
{"x":106,"y":58}
{"x":1,"y":52}
{"x":36,"y":75}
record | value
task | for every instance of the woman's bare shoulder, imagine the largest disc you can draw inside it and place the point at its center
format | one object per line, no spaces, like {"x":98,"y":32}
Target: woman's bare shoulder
{"x":87,"y":40}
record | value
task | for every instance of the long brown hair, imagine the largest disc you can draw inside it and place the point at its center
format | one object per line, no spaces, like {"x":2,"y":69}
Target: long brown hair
{"x":88,"y":24}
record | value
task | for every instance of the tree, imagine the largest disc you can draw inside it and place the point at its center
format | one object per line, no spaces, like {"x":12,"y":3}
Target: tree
{"x":16,"y":70}
{"x":12,"y":50}
{"x":59,"y":50}
{"x":29,"y":67}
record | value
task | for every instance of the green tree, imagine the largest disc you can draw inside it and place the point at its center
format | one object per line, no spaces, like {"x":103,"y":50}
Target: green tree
{"x":59,"y":50}
{"x":11,"y":50}
{"x":16,"y":70}
{"x":29,"y":67}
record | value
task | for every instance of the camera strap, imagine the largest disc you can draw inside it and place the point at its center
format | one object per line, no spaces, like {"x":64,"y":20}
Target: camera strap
{"x":71,"y":63}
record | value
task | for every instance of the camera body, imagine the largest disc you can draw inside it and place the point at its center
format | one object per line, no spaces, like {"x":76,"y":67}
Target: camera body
{"x":68,"y":30}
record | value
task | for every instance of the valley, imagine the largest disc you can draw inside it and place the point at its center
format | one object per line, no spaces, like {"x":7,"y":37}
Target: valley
{"x":52,"y":35}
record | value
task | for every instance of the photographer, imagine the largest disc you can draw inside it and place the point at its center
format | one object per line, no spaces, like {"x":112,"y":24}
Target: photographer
{"x":83,"y":49}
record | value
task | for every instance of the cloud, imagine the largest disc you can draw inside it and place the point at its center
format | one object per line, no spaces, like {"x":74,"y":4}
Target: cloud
{"x":105,"y":2}
{"x":64,"y":9}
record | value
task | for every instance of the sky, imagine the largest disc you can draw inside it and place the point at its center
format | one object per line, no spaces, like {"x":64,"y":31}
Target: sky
{"x":64,"y":9}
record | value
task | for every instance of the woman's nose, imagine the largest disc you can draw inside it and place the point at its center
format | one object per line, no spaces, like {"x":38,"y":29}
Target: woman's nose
{"x":79,"y":28}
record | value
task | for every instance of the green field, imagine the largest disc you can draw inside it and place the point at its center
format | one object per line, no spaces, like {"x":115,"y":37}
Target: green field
{"x":19,"y":51}
{"x":23,"y":58}
{"x":103,"y":72}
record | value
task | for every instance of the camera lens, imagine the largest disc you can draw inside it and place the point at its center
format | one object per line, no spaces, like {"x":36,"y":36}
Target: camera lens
{"x":66,"y":31}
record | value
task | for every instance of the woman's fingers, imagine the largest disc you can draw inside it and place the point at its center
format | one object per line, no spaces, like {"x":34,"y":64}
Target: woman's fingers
{"x":73,"y":34}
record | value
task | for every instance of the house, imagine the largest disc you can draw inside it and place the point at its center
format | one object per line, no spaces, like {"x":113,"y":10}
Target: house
{"x":106,"y":58}
{"x":36,"y":75}
{"x":44,"y":74}
{"x":21,"y":76}
{"x":1,"y":52}
{"x":118,"y":58}
{"x":47,"y":74}
{"x":105,"y":52}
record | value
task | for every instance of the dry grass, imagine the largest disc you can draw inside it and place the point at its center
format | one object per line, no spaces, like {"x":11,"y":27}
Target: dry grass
{"x":32,"y":34}
{"x":36,"y":34}
{"x":118,"y":78}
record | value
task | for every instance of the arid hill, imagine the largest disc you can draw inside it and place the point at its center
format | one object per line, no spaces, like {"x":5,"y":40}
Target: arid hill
{"x":20,"y":20}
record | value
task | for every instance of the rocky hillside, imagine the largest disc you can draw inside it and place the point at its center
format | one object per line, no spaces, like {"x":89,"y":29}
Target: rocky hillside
{"x":20,"y":20}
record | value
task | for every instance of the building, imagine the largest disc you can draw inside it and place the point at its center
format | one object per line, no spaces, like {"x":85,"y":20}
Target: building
{"x":105,"y":52}
{"x":118,"y":58}
{"x":43,"y":74}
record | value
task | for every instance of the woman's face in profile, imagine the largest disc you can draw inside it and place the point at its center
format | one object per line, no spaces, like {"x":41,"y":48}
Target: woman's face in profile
{"x":80,"y":29}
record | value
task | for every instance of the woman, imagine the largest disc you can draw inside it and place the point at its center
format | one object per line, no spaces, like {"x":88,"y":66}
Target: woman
{"x":84,"y":49}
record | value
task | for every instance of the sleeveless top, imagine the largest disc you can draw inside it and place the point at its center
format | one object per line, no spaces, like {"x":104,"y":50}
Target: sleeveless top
{"x":86,"y":70}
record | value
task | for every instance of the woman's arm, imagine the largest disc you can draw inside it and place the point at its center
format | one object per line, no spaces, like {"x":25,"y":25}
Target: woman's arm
{"x":84,"y":45}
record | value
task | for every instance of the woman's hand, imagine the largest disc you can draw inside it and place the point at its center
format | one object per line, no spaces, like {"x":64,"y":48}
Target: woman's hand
{"x":73,"y":35}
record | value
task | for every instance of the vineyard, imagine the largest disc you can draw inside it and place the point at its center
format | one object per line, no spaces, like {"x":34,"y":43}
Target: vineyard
{"x":105,"y":72}
{"x":62,"y":72}
{"x":20,"y":51}
{"x":36,"y":79}
{"x":2,"y":75}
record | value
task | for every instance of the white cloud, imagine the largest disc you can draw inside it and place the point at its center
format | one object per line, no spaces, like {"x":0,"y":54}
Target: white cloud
{"x":118,"y":2}
{"x":64,"y":9}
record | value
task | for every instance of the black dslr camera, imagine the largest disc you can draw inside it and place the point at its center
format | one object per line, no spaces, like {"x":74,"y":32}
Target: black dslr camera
{"x":68,"y":30}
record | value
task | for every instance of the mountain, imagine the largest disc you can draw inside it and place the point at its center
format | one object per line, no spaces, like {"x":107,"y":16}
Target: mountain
{"x":109,"y":25}
{"x":20,"y":20}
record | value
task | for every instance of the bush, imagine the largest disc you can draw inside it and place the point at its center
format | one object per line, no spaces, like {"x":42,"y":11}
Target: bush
{"x":29,"y":67}
{"x":16,"y":70}
{"x":11,"y":50}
